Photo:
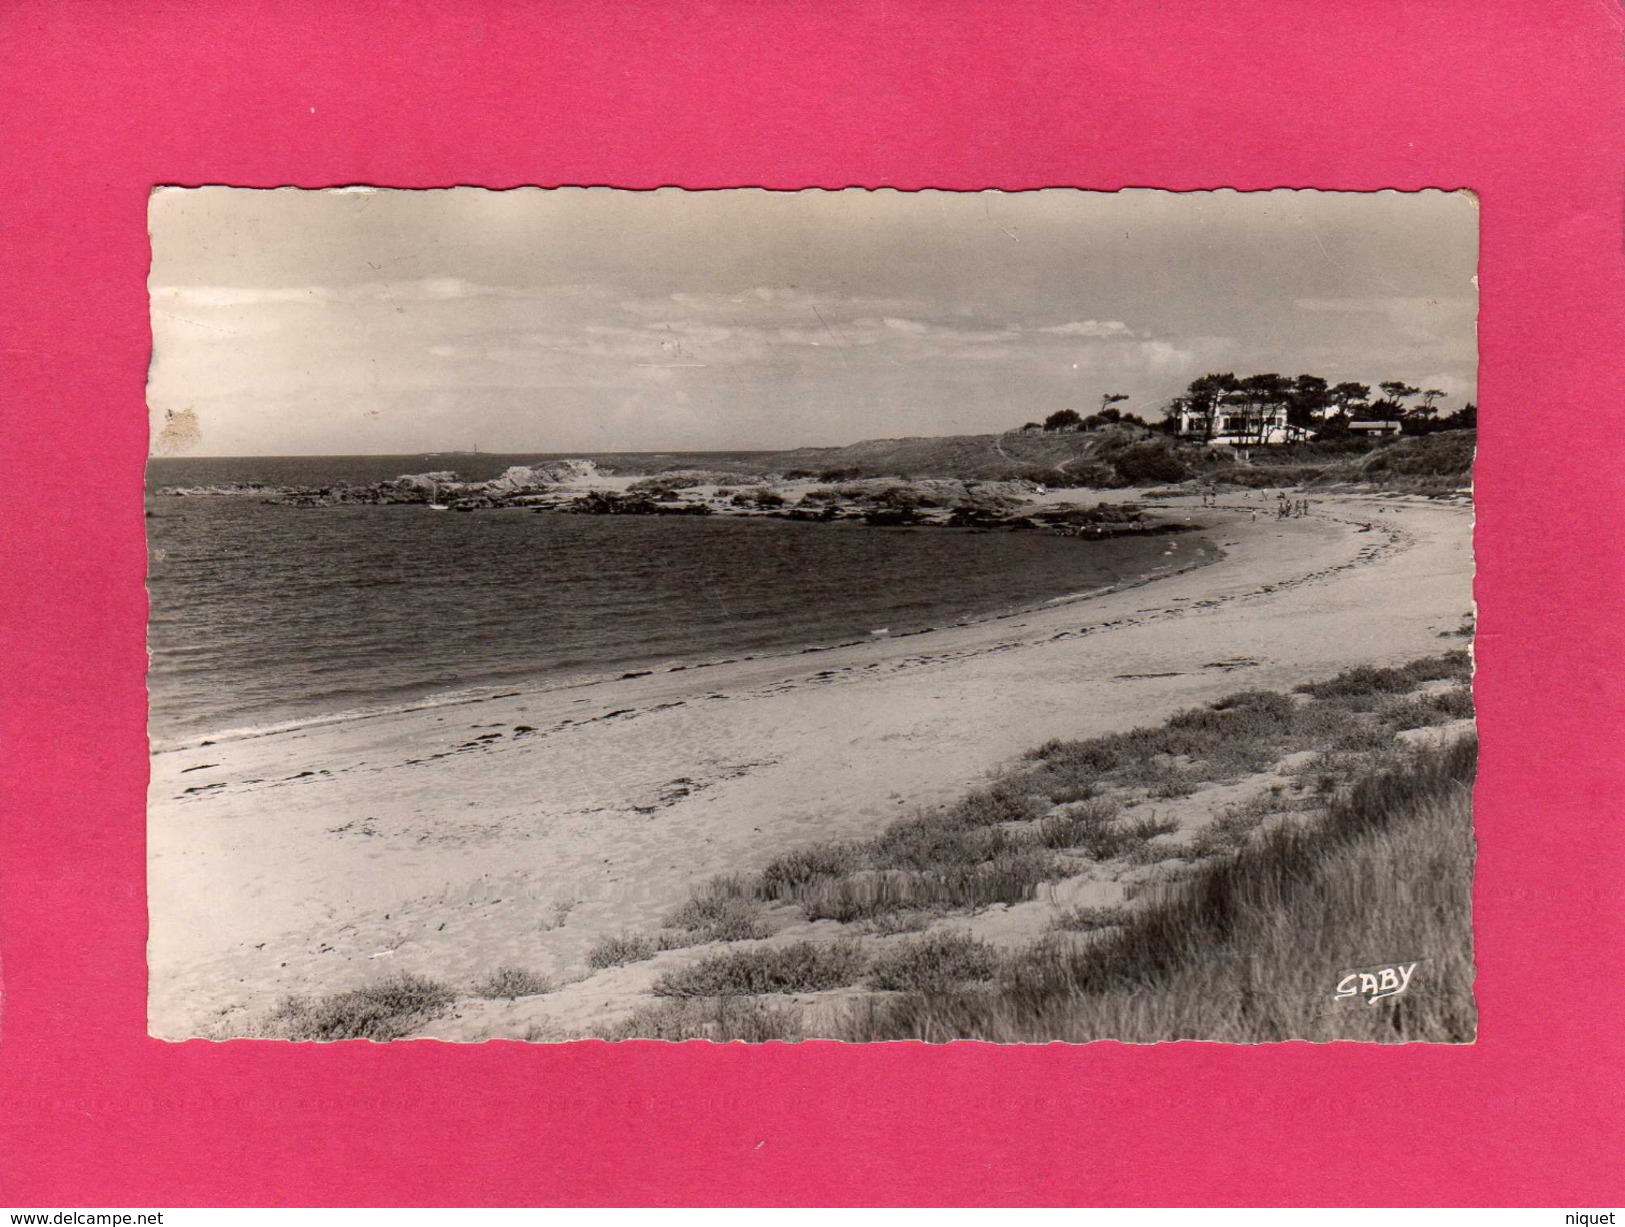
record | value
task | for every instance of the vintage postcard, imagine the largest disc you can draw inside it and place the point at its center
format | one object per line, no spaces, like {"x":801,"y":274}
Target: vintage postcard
{"x":857,"y":615}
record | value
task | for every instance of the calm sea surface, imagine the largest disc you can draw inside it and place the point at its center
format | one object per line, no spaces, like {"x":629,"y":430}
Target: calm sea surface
{"x":264,"y":615}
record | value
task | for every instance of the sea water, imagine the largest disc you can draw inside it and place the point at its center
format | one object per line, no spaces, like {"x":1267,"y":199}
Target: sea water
{"x":264,"y":615}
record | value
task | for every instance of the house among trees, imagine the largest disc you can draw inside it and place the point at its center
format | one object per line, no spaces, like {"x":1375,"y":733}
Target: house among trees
{"x":1262,"y":409}
{"x":1257,"y":410}
{"x":1237,"y":425}
{"x":1377,"y":430}
{"x":1225,"y":410}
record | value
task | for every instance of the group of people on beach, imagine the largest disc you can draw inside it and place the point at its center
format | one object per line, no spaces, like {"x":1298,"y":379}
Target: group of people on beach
{"x":1286,"y":508}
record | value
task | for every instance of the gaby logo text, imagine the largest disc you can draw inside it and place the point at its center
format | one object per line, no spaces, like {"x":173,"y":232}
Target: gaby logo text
{"x":1376,"y":983}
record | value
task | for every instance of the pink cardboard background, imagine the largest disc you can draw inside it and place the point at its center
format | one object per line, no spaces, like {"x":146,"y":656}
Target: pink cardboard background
{"x":1520,"y":101}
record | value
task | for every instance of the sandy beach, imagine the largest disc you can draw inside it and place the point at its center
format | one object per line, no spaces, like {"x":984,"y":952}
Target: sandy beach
{"x":520,"y":830}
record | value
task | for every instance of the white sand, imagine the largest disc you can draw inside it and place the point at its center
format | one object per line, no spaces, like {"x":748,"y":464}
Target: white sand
{"x":403,"y":852}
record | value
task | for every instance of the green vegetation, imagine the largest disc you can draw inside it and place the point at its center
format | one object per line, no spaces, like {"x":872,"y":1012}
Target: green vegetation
{"x":387,"y":1010}
{"x":721,"y":1019}
{"x":802,"y":967}
{"x":1365,"y":680}
{"x":511,"y":983}
{"x":1423,"y":466}
{"x":1088,"y":919}
{"x":623,"y":948}
{"x":936,"y":963}
{"x":718,"y":913}
{"x":1250,"y":947}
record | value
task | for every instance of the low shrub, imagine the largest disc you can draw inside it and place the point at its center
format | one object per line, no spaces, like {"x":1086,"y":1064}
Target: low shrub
{"x":1227,"y":831}
{"x":928,"y":842}
{"x":622,"y":948}
{"x":801,"y":967}
{"x":1428,"y":709}
{"x":1149,"y":827}
{"x":720,"y":1019}
{"x":1088,"y":919}
{"x":761,"y":496}
{"x":934,"y":963}
{"x":512,"y":982}
{"x":1366,"y":680}
{"x":1150,"y":463}
{"x":802,"y":865}
{"x":1005,"y":800}
{"x":718,"y":912}
{"x":1086,"y":828}
{"x":1012,"y":876}
{"x":387,"y":1010}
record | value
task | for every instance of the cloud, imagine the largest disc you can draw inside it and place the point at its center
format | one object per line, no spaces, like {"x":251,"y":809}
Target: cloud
{"x":381,"y":290}
{"x":1090,"y":328}
{"x":768,"y":305}
{"x":226,"y":297}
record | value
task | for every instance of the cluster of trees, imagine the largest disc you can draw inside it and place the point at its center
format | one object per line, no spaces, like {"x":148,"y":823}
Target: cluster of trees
{"x":1312,"y":403}
{"x":1069,"y":420}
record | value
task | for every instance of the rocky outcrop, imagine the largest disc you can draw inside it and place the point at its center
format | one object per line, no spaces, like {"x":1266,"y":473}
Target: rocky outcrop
{"x":520,"y":485}
{"x":538,"y":478}
{"x":426,"y":483}
{"x":603,"y":503}
{"x":564,"y":486}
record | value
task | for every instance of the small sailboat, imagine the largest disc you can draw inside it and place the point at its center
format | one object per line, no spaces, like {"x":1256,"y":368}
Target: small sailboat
{"x":434,"y":498}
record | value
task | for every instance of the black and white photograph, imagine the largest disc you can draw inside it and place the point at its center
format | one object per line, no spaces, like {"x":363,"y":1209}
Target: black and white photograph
{"x":859,"y":615}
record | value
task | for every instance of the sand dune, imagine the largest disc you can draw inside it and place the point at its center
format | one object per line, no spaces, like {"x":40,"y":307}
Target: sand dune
{"x":521,"y":830}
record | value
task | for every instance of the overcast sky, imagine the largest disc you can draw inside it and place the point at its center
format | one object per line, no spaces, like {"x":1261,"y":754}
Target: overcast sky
{"x":375,"y":321}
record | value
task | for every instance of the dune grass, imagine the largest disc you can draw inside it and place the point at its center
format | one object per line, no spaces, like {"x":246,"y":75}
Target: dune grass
{"x":388,"y":1010}
{"x":717,"y":912}
{"x":934,"y":963}
{"x":1089,"y":919}
{"x":512,"y":983}
{"x":1001,"y":842}
{"x":801,"y":967}
{"x":1239,"y":931}
{"x":618,"y":949}
{"x":1251,"y":947}
{"x":1010,"y":876}
{"x":720,"y":1019}
{"x":1366,"y":680}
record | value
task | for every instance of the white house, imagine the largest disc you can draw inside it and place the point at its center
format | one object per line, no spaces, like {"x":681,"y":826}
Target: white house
{"x":1376,"y":430}
{"x":1237,"y":425}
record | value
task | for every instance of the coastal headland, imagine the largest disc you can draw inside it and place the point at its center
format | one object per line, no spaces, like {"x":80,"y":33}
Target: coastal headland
{"x":527,"y":828}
